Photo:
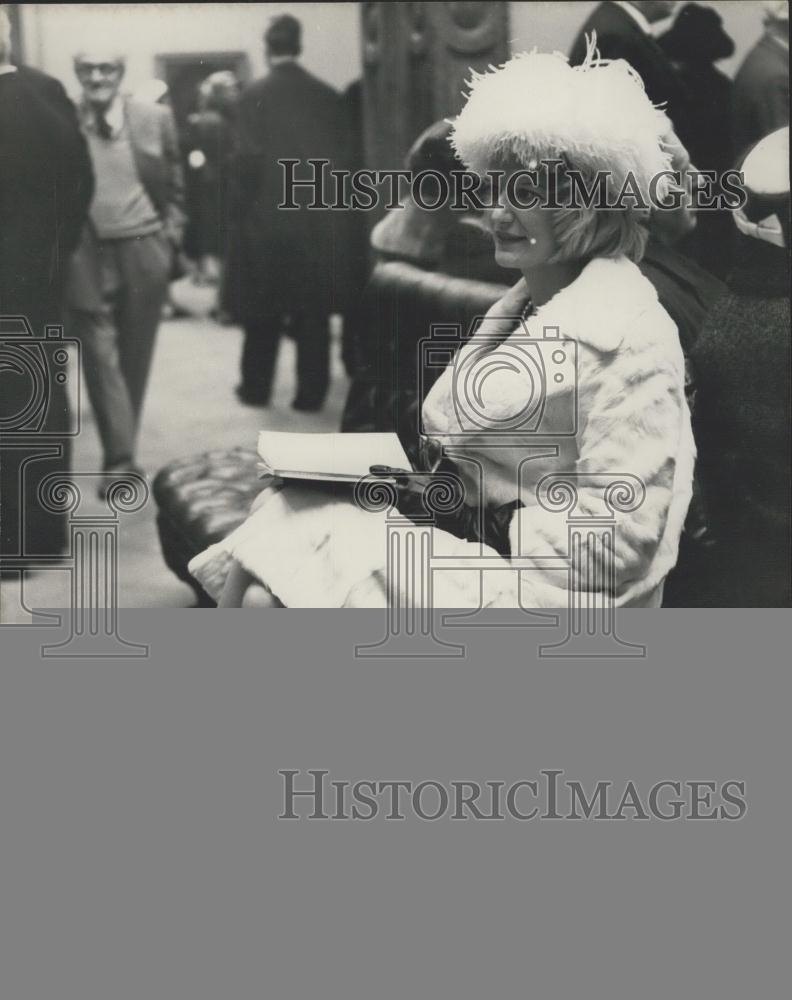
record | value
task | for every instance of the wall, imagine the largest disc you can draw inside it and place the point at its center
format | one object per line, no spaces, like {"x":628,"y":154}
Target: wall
{"x":54,"y":32}
{"x":331,"y":32}
{"x":552,"y":26}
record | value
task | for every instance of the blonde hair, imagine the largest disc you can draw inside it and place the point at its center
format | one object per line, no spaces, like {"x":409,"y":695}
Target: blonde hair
{"x":605,"y":232}
{"x":586,"y":232}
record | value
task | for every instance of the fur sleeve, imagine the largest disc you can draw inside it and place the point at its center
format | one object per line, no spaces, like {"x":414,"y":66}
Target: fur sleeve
{"x":632,"y":427}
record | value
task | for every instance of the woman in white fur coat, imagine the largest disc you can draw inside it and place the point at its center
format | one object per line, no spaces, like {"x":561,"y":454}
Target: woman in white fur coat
{"x":604,"y":440}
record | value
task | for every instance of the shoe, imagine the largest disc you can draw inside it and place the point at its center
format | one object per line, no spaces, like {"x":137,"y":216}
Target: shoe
{"x":250,"y":398}
{"x":306,"y":405}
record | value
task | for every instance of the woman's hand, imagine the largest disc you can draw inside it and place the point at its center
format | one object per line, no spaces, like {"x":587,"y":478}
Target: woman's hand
{"x":269,"y":486}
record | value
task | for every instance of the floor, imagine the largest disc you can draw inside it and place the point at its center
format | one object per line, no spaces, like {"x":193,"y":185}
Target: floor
{"x":190,"y":407}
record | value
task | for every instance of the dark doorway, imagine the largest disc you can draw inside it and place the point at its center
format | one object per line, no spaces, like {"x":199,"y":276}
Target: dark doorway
{"x":185,"y":71}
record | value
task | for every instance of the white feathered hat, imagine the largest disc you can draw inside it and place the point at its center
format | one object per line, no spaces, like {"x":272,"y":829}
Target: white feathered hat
{"x":537,"y":106}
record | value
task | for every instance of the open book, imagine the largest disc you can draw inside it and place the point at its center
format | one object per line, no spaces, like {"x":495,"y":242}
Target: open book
{"x":343,"y":458}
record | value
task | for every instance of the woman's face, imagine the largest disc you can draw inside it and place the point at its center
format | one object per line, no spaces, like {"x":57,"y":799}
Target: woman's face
{"x":524,"y":237}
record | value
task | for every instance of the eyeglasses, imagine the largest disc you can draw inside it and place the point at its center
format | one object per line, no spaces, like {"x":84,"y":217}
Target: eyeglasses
{"x":106,"y":69}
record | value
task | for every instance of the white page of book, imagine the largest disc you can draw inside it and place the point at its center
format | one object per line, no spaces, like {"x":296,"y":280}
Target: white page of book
{"x":314,"y":456}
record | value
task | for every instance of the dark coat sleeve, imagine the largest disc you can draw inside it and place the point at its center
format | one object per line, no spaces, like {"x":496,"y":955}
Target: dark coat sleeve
{"x":240,"y":180}
{"x":175,"y":217}
{"x":74,"y":177}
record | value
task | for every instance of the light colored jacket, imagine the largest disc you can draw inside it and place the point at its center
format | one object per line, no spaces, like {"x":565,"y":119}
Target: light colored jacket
{"x":611,"y":434}
{"x":619,"y":418}
{"x":155,"y":147}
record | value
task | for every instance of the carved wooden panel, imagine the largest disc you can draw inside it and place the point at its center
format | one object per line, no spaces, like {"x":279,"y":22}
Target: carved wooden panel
{"x":416,"y":58}
{"x":466,"y":36}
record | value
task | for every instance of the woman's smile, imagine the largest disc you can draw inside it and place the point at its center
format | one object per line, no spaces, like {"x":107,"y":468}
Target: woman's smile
{"x":506,"y":237}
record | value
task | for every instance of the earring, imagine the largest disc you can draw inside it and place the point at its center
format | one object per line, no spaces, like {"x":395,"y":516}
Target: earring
{"x":532,"y":241}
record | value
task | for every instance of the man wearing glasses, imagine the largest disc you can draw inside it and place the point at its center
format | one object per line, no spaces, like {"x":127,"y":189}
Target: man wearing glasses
{"x":120,"y":272}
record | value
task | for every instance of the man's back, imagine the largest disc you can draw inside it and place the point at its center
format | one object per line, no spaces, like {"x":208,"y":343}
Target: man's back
{"x":618,"y":36}
{"x":614,"y":28}
{"x":761,"y":92}
{"x":742,"y":423}
{"x":274,"y":253}
{"x":290,"y":113}
{"x":46,"y":183}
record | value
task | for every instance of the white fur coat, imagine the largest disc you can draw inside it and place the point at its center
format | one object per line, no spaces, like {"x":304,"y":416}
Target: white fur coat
{"x":624,"y":419}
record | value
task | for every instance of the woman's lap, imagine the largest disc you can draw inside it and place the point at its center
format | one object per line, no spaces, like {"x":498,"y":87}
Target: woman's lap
{"x":313,"y":547}
{"x":309,"y":545}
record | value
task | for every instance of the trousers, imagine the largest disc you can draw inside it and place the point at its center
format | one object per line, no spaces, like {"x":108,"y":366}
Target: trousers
{"x":116,"y":323}
{"x":260,"y":353}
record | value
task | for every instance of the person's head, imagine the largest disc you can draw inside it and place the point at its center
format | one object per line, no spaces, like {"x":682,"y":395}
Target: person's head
{"x":5,"y":37}
{"x":528,"y":236}
{"x":219,"y":91}
{"x":283,"y":37}
{"x":765,"y":169}
{"x":654,"y":10}
{"x":536,"y":114}
{"x":100,"y":73}
{"x":697,"y":36}
{"x":432,"y":151}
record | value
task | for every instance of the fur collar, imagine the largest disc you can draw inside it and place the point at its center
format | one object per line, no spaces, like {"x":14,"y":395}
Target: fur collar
{"x":601,"y":305}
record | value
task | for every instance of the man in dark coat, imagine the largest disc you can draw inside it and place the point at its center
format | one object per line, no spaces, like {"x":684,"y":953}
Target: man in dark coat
{"x":46,"y":184}
{"x":761,"y":87}
{"x":695,"y":42}
{"x":624,"y":31}
{"x":283,"y":264}
{"x":742,"y":417}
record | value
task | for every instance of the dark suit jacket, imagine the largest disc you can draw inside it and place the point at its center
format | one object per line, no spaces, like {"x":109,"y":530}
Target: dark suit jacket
{"x":279,"y":258}
{"x":742,"y":423}
{"x":46,"y":184}
{"x":761,"y":93}
{"x":619,"y":37}
{"x":152,"y":134}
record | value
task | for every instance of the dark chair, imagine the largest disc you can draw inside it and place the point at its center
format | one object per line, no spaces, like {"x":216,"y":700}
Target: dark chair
{"x":202,"y":498}
{"x":402,"y":304}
